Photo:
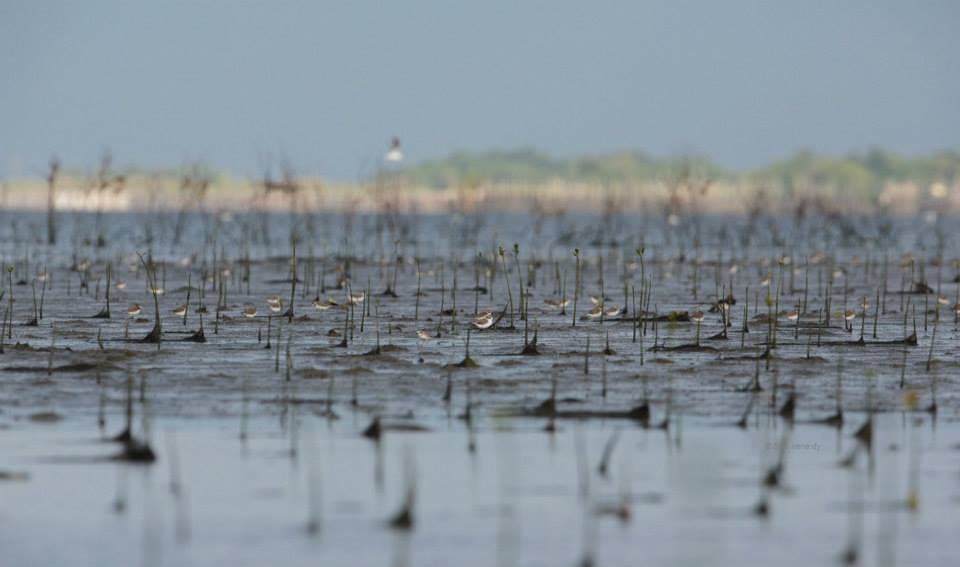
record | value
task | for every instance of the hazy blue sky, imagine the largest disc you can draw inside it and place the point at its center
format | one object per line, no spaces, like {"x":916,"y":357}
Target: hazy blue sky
{"x":327,"y":83}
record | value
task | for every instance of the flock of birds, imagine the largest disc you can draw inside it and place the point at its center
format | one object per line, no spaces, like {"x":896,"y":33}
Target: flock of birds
{"x":669,"y":278}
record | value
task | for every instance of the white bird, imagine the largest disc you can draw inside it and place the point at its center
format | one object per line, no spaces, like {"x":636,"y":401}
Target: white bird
{"x":395,"y":153}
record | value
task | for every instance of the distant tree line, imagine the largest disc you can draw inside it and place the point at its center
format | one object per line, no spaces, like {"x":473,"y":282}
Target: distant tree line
{"x":863,"y":173}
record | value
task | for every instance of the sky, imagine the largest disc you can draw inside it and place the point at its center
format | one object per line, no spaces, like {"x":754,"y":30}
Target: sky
{"x":324,"y":85}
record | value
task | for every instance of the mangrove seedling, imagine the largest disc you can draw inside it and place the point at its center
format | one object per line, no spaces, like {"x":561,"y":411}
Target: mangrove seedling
{"x":506,"y":278}
{"x":155,"y":335}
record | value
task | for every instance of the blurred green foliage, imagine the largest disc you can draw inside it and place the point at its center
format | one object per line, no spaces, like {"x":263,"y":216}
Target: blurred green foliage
{"x":862,"y":173}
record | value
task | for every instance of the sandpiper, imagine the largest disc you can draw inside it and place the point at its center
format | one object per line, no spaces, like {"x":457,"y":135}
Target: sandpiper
{"x":613,"y":311}
{"x":483,"y":320}
{"x":557,"y":303}
{"x":849,"y":315}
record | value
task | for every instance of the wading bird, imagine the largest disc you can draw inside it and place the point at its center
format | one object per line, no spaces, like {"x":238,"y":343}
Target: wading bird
{"x":483,"y":320}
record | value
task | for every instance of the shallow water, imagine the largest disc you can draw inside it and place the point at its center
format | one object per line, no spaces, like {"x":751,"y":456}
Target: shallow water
{"x":518,"y":498}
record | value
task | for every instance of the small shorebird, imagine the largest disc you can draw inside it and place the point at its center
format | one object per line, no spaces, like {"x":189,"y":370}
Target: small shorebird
{"x":180,"y":310}
{"x":765,"y":281}
{"x":483,"y":320}
{"x":356,"y":298}
{"x":134,"y":310}
{"x":849,"y":315}
{"x":275,"y":303}
{"x":795,"y":316}
{"x":596,"y":312}
{"x":250,"y":312}
{"x":942,"y":300}
{"x":557,"y":303}
{"x":613,"y":311}
{"x":324,"y":304}
{"x":424,"y":335}
{"x":157,"y":290}
{"x":121,"y":285}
